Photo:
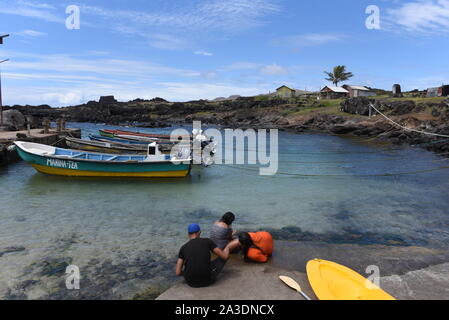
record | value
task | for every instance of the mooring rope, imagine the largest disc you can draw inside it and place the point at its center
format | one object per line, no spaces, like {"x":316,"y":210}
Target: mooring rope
{"x":342,"y":175}
{"x":406,"y":128}
{"x":55,"y":143}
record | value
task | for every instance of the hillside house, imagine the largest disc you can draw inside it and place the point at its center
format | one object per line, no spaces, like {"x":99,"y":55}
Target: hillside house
{"x":286,"y":92}
{"x":358,"y":91}
{"x":329,"y":92}
{"x":442,"y":91}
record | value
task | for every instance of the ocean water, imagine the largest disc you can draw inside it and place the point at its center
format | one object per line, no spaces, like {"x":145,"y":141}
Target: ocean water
{"x":329,"y":188}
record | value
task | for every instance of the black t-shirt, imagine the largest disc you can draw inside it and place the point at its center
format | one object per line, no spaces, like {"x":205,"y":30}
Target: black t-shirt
{"x":197,"y":255}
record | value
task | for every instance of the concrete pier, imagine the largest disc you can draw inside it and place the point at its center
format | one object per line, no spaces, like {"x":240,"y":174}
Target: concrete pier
{"x":53,"y":137}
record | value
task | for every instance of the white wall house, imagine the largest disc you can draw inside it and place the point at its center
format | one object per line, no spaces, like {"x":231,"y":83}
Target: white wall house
{"x":358,"y":91}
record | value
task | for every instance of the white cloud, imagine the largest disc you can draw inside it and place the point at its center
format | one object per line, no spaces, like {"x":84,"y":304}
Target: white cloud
{"x":423,"y":16}
{"x":156,"y":40}
{"x":30,"y":33}
{"x":225,"y":15}
{"x":62,"y":79}
{"x":235,"y":15}
{"x":258,"y":68}
{"x":81,"y":93}
{"x":70,"y":97}
{"x":274,"y":70}
{"x":209,"y":75}
{"x":167,"y":42}
{"x":98,"y":52}
{"x":35,"y":5}
{"x":192,"y":91}
{"x":28,"y":9}
{"x":88,"y":65}
{"x":203,"y":53}
{"x":310,"y":40}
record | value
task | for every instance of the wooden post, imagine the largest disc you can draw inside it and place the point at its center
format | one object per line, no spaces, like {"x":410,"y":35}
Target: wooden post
{"x":58,"y":125}
{"x":28,"y":123}
{"x":46,"y":124}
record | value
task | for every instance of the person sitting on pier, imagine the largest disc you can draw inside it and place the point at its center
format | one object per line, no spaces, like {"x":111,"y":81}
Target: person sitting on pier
{"x":256,"y":246}
{"x":222,"y":232}
{"x":194,"y":259}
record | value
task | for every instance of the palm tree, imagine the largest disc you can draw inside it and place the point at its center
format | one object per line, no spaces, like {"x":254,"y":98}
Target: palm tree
{"x":339,"y":74}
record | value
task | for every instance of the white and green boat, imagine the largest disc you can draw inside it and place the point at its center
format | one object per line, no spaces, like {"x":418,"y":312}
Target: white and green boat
{"x":67,"y":162}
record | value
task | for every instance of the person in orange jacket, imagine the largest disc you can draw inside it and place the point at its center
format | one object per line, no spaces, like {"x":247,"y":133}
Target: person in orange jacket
{"x":256,"y":246}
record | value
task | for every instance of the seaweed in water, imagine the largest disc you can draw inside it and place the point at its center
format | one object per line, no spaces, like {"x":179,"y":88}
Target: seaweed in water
{"x":52,"y":266}
{"x":200,"y":215}
{"x":103,"y":279}
{"x":348,"y":235}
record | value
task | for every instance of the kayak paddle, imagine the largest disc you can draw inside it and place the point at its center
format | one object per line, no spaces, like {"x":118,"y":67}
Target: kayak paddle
{"x":294,"y":285}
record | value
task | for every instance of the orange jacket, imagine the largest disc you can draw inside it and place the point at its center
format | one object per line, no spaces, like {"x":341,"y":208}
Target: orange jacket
{"x":264,"y":241}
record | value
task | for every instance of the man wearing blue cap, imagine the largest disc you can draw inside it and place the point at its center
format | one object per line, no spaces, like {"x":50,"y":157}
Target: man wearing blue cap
{"x":194,"y":260}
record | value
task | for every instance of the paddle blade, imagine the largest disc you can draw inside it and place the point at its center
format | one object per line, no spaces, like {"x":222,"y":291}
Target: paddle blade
{"x":291,"y":283}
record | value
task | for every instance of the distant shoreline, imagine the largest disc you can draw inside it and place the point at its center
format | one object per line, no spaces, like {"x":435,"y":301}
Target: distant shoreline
{"x":298,"y":115}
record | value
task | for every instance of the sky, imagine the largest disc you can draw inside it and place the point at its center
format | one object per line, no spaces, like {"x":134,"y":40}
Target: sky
{"x":202,"y":49}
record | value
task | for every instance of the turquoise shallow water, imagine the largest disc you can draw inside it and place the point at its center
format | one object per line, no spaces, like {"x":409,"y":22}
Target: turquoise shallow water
{"x":326,"y":185}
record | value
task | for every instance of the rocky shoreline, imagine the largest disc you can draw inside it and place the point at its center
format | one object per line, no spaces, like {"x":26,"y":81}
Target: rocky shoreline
{"x":427,"y":117}
{"x":300,"y":115}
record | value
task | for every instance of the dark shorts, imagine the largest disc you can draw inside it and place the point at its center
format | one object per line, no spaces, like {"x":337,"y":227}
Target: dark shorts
{"x":216,"y":268}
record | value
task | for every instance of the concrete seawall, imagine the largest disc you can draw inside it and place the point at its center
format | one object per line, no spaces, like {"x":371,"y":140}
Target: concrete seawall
{"x":8,"y":155}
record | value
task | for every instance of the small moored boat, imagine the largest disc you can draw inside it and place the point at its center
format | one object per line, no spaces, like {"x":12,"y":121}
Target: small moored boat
{"x":164,"y":145}
{"x":67,"y":162}
{"x":105,"y":147}
{"x":117,"y":140}
{"x":115,"y":133}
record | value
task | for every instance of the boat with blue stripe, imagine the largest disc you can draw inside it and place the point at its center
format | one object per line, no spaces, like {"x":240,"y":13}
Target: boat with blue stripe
{"x":67,"y":162}
{"x":118,"y":140}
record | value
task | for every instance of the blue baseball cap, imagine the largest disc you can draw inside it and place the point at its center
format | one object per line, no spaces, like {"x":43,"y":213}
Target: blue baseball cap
{"x":194,"y":228}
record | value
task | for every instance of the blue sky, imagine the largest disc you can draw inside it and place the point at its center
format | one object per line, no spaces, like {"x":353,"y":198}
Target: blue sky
{"x":184,"y":50}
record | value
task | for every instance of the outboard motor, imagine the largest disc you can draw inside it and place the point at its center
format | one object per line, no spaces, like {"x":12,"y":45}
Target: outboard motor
{"x":208,"y":148}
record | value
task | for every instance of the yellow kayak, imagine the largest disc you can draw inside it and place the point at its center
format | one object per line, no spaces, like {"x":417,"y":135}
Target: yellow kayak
{"x":331,"y":281}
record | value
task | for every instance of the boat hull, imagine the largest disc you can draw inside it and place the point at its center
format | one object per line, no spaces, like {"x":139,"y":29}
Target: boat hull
{"x":76,"y":168}
{"x":82,"y":173}
{"x":105,"y":149}
{"x":116,"y":133}
{"x":118,"y":140}
{"x":164,"y":145}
